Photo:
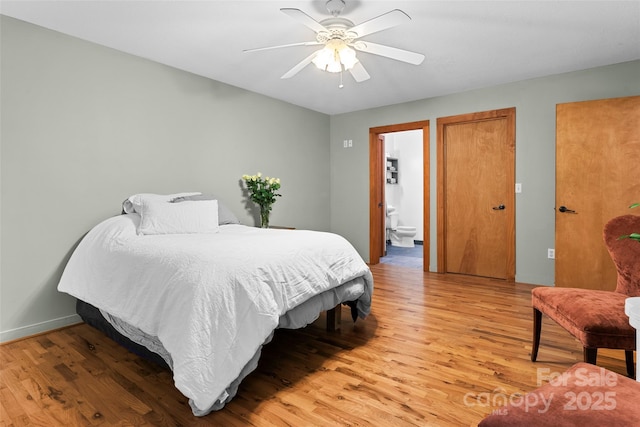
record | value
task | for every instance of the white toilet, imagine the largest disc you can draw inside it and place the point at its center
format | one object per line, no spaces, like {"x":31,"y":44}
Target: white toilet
{"x":401,"y":236}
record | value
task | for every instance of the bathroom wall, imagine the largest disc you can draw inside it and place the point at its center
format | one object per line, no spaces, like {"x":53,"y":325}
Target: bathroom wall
{"x":407,"y":194}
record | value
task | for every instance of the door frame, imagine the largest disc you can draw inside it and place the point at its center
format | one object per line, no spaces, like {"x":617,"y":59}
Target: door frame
{"x":376,"y":188}
{"x":510,"y":115}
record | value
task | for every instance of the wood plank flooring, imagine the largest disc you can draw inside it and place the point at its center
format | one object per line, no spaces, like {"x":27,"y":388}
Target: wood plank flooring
{"x":435,"y":351}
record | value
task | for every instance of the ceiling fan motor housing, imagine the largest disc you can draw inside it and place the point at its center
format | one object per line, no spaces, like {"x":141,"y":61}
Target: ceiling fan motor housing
{"x":338,"y":28}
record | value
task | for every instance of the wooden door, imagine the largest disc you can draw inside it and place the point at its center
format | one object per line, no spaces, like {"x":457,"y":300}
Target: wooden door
{"x":382,"y":227}
{"x":377,"y":214}
{"x":597,"y":177}
{"x":476,"y":194}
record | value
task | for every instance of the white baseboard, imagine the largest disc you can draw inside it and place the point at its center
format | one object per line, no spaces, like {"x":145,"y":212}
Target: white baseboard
{"x":37,"y":328}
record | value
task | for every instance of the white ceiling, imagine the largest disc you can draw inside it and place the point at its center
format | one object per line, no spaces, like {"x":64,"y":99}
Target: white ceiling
{"x":467,"y":44}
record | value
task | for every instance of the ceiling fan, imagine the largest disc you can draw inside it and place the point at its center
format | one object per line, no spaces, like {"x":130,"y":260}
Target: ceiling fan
{"x":341,"y":38}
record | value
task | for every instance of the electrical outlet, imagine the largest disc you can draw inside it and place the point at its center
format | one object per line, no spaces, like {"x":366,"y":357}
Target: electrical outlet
{"x":551,"y":253}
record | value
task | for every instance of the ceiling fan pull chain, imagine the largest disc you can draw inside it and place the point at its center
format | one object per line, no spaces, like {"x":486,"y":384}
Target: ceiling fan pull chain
{"x":341,"y":85}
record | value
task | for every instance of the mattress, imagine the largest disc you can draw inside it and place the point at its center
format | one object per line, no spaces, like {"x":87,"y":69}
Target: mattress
{"x":207,"y":303}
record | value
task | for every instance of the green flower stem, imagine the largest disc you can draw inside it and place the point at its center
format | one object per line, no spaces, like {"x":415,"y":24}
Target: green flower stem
{"x":263,"y":192}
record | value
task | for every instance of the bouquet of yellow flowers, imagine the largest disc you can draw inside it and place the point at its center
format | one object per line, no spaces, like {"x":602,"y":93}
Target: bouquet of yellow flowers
{"x":262,"y":191}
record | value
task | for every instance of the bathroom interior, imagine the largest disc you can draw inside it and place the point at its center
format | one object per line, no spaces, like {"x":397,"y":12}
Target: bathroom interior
{"x":403,"y":197}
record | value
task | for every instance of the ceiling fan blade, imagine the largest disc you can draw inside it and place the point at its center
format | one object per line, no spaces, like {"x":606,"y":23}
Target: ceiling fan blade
{"x":389,"y":52}
{"x":283,"y":45}
{"x":299,"y":66}
{"x":304,"y":19}
{"x":359,"y":73}
{"x":382,"y":22}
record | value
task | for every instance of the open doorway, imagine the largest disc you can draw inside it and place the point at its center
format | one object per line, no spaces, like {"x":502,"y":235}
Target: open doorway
{"x":382,"y":176}
{"x":403,"y":199}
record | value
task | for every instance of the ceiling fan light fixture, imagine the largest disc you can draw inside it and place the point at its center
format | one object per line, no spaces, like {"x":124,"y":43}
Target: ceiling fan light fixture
{"x":335,"y":57}
{"x":347,"y":57}
{"x":334,"y":67}
{"x":323,"y":58}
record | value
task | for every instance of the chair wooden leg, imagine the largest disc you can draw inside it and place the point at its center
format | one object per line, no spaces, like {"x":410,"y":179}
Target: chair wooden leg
{"x":537,"y":326}
{"x":590,"y":355}
{"x":628,"y":357}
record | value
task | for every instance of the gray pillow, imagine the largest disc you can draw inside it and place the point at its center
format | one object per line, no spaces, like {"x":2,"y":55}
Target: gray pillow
{"x":225,"y":216}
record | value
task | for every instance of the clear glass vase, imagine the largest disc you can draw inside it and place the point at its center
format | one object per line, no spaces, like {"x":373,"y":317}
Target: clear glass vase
{"x":264,"y":216}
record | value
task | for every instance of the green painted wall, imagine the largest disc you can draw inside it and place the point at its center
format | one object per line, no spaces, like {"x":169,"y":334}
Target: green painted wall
{"x":84,"y":126}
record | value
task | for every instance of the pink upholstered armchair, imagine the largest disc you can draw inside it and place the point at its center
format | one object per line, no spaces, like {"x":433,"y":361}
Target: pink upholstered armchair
{"x":597,"y":318}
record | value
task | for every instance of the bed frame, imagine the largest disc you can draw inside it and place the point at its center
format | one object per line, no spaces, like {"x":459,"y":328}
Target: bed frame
{"x":92,"y":316}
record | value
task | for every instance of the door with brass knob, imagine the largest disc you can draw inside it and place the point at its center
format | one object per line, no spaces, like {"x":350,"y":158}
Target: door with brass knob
{"x":597,"y":178}
{"x":476,"y":194}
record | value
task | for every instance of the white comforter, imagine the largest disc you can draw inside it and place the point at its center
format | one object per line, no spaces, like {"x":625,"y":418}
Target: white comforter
{"x":211,"y":299}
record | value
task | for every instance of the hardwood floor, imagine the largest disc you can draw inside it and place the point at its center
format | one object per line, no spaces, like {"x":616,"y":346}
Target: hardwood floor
{"x":436,"y":350}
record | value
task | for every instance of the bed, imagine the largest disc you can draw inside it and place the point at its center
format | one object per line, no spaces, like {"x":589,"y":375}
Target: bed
{"x":179,"y":278}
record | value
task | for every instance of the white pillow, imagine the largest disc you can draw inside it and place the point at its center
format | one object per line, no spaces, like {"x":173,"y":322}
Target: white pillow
{"x":132,"y":203}
{"x":160,"y":217}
